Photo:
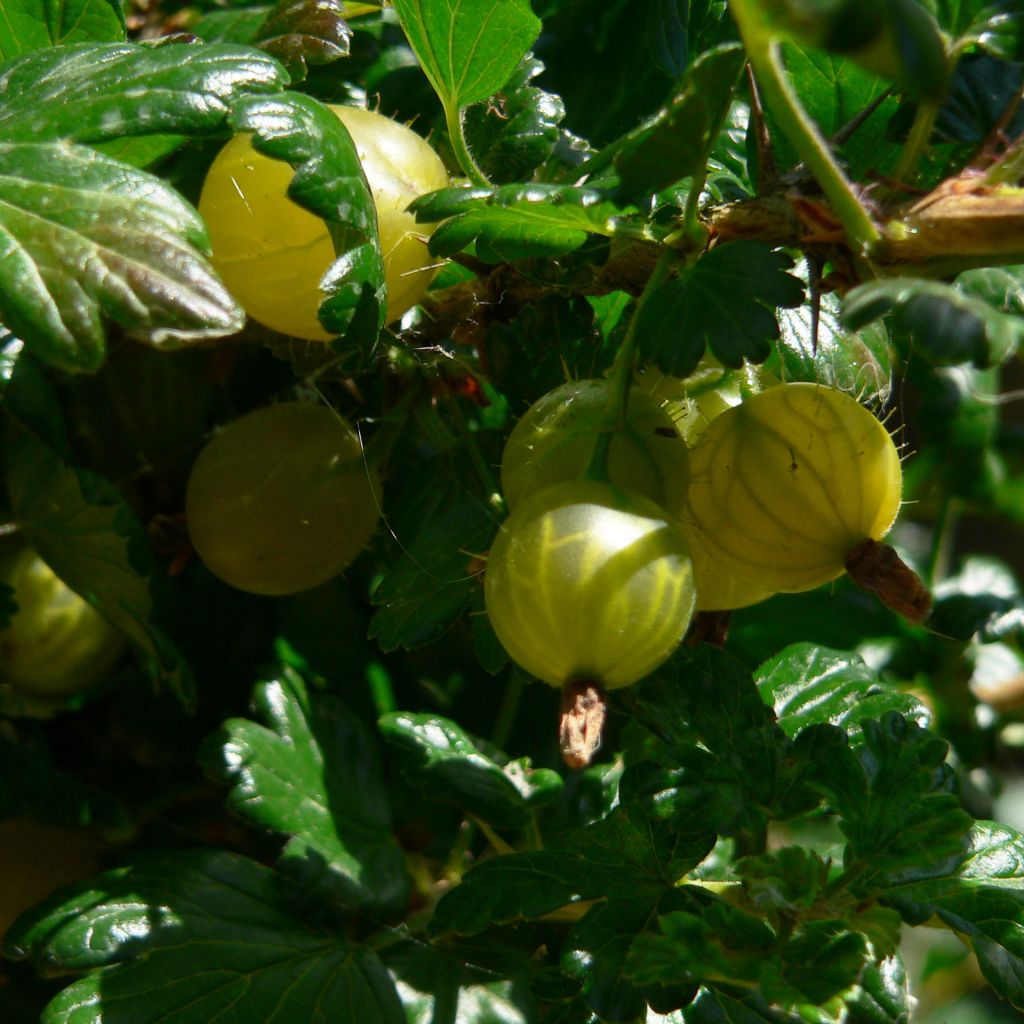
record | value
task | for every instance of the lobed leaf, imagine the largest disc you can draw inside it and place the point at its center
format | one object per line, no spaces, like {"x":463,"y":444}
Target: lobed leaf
{"x":468,"y":48}
{"x":726,"y":301}
{"x":206,"y":930}
{"x":303,"y":32}
{"x":808,"y":684}
{"x":313,"y":772}
{"x":29,"y":25}
{"x":83,"y":529}
{"x":94,"y":92}
{"x":83,"y":238}
{"x":451,"y":767}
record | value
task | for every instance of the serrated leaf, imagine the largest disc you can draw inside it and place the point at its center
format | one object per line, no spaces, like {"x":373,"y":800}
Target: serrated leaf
{"x":725,"y":944}
{"x":726,"y":301}
{"x":882,"y":996}
{"x":622,"y":855}
{"x":94,"y":92}
{"x":516,"y":131}
{"x":313,"y":772}
{"x":303,"y":32}
{"x":443,"y":521}
{"x":83,"y":238}
{"x":982,"y":92}
{"x":808,"y":684}
{"x":946,"y":323}
{"x":677,"y":142}
{"x":517,"y":221}
{"x":732,"y":1006}
{"x":468,"y":48}
{"x":820,"y":351}
{"x":328,"y":181}
{"x":35,"y":24}
{"x":787,"y":879}
{"x":206,"y":930}
{"x":991,"y":25}
{"x":238,"y":25}
{"x":982,"y":901}
{"x":897,"y":803}
{"x":83,"y":529}
{"x":446,"y":761}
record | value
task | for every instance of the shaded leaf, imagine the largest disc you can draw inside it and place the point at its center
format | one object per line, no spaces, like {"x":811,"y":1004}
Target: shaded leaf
{"x":808,"y":684}
{"x":83,"y":238}
{"x":947,"y":324}
{"x":468,"y":48}
{"x":34,"y":24}
{"x":444,"y":521}
{"x":622,"y":855}
{"x":83,"y":529}
{"x":92,"y":92}
{"x":982,"y":602}
{"x":991,"y":25}
{"x":444,"y":760}
{"x":207,"y":930}
{"x":882,"y":995}
{"x":313,"y":772}
{"x":516,"y":131}
{"x":726,"y":301}
{"x":303,"y":32}
{"x":676,"y":143}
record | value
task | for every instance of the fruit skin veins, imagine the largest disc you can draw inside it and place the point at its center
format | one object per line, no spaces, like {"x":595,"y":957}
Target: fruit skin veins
{"x":57,"y":644}
{"x":555,"y":438}
{"x":281,"y":500}
{"x":587,"y":581}
{"x":272,"y":253}
{"x":786,"y":485}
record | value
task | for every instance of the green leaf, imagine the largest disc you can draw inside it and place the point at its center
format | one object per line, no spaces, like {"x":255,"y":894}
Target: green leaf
{"x":947,"y":324}
{"x":468,"y":48}
{"x":725,"y":944}
{"x":443,"y":521}
{"x":517,"y":221}
{"x":788,"y":879}
{"x":821,"y":352}
{"x":237,"y":25}
{"x":516,"y":131}
{"x":28,"y":25}
{"x":622,"y":855}
{"x":313,"y":772}
{"x":443,"y":760}
{"x":982,"y":901}
{"x":676,"y":143}
{"x":733,"y":1006}
{"x":981,"y":602}
{"x":808,"y":684}
{"x":882,"y":996}
{"x":304,"y":32}
{"x":992,"y":25}
{"x":897,"y":803}
{"x":84,"y":530}
{"x":83,"y":237}
{"x":328,"y":181}
{"x":725,"y":301}
{"x":92,"y":93}
{"x":207,"y":932}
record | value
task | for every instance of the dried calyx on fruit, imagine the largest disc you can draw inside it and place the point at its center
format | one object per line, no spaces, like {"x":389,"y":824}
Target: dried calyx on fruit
{"x":797,"y":485}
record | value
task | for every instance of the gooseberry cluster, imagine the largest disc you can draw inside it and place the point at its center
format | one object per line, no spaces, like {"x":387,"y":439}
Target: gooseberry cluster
{"x":594,"y":577}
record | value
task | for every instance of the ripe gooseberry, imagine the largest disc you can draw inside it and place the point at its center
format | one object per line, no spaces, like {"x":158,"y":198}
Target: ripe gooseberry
{"x":272,"y":253}
{"x":555,"y":438}
{"x":789,"y":486}
{"x":56,"y":644}
{"x":281,"y":500}
{"x":588,"y":581}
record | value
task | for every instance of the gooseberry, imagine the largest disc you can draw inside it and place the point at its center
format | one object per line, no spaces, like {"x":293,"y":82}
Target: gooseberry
{"x":281,"y":499}
{"x":586,"y":581}
{"x":786,"y":487}
{"x":56,"y":644}
{"x":555,"y":439}
{"x":272,"y":253}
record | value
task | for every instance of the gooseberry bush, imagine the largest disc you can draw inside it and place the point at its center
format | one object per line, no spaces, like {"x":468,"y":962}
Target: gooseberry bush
{"x":511,"y":511}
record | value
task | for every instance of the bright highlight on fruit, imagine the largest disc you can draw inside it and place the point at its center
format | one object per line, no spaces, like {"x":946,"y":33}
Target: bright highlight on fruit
{"x":793,"y":486}
{"x":272,"y":253}
{"x":555,"y":438}
{"x":281,"y":499}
